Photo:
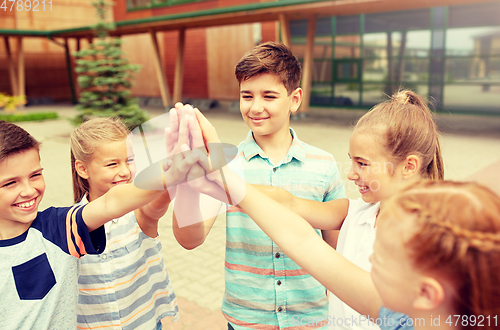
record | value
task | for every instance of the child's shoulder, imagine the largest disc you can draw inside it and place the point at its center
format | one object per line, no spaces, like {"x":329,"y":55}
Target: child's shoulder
{"x":53,"y":213}
{"x":359,"y":206}
{"x":310,"y":149}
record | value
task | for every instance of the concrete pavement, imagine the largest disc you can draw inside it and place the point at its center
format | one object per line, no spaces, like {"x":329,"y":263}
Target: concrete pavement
{"x":470,"y":145}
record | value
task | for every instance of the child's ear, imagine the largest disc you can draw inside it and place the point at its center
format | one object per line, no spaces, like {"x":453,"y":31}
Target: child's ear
{"x":81,"y":169}
{"x":431,"y":294}
{"x":296,"y":99}
{"x":411,"y":166}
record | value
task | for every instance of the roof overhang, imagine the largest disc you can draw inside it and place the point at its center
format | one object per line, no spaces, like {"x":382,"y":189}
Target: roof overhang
{"x":250,"y":13}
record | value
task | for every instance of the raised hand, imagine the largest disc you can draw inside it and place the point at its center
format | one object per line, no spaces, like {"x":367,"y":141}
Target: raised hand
{"x":174,"y":168}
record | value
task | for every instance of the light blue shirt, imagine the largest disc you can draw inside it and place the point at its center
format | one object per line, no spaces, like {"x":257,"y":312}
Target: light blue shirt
{"x":263,"y":285}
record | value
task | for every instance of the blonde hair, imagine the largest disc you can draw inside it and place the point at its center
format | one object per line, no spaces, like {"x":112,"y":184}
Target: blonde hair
{"x":85,"y":139}
{"x":458,"y":239}
{"x":407,"y":127}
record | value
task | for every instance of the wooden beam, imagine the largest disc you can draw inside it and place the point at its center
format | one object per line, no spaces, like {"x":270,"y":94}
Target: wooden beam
{"x":20,"y":67}
{"x":285,"y":30}
{"x":308,"y":64}
{"x":75,"y":75}
{"x":69,"y":68}
{"x":179,"y":66}
{"x":160,"y":73}
{"x":12,"y":68}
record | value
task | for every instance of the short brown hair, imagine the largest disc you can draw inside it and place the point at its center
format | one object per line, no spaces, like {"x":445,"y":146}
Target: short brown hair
{"x":270,"y":57}
{"x":406,"y":126}
{"x":14,"y":139}
{"x":457,"y":238}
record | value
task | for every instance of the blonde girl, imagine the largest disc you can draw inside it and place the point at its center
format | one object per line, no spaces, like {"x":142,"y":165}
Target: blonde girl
{"x":127,"y":286}
{"x":394,"y":144}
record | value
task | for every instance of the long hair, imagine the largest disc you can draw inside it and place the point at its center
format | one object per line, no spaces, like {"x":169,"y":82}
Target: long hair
{"x":458,"y":239}
{"x":406,"y":126}
{"x":85,"y":140}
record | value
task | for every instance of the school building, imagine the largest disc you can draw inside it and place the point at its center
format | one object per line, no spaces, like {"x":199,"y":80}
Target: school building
{"x":354,"y":52}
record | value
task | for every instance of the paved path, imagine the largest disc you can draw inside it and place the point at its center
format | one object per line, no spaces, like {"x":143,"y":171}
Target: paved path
{"x":197,"y":275}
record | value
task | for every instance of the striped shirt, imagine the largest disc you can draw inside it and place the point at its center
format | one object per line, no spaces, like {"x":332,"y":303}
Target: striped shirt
{"x":264,"y":288}
{"x":127,"y":286}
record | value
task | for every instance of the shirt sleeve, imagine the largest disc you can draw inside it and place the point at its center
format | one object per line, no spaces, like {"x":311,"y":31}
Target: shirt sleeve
{"x":64,"y":226}
{"x":393,"y":321}
{"x":336,"y":189}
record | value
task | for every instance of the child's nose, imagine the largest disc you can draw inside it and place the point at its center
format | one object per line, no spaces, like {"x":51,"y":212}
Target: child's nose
{"x":27,"y":189}
{"x":256,"y":105}
{"x":352,"y":175}
{"x":124,"y":170}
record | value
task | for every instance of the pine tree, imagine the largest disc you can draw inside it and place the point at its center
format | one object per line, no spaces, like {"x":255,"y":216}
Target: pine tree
{"x":105,"y":76}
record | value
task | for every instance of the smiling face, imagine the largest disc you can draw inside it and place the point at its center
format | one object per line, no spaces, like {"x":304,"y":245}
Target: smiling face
{"x":266,"y":106}
{"x":376,"y":176}
{"x":112,"y":164}
{"x":21,"y":191}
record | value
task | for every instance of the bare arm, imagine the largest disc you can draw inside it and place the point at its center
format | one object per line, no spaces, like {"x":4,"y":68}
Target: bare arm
{"x":320,"y":215}
{"x":117,"y":202}
{"x":295,"y":236}
{"x":148,"y":216}
{"x":193,"y":215}
{"x":331,"y":237}
{"x":300,"y":242}
{"x":189,"y":225}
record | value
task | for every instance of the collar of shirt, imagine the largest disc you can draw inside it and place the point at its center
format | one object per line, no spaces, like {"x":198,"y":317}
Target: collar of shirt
{"x":251,"y":149}
{"x":370,"y":214}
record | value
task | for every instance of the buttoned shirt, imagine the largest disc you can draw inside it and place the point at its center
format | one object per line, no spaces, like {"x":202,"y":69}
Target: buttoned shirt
{"x":127,"y":286}
{"x":265,"y":289}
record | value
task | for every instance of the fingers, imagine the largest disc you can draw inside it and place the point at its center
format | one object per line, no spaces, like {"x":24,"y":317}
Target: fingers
{"x":191,"y":157}
{"x":174,"y":125}
{"x":195,"y":131}
{"x":180,"y":164}
{"x":183,"y":137}
{"x":169,"y":141}
{"x":208,"y":131}
{"x":204,"y":161}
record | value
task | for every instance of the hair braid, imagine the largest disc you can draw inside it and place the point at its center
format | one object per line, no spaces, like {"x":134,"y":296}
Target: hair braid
{"x":457,"y":237}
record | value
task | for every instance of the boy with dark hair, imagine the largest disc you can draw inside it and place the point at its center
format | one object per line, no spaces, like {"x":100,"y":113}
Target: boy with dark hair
{"x":39,"y":251}
{"x":264,"y":288}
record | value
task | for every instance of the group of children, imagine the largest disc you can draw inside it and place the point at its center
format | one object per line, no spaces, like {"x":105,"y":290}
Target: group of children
{"x":413,"y":251}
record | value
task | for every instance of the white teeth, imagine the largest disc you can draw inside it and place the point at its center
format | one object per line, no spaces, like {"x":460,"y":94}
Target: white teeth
{"x":26,"y":205}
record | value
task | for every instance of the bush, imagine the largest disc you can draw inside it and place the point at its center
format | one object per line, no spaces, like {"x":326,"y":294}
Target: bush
{"x":10,"y":103}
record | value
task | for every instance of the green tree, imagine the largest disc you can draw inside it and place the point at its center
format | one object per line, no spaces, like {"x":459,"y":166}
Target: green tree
{"x":105,"y":77}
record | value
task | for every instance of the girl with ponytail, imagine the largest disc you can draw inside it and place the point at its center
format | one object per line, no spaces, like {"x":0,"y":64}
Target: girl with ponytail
{"x":435,"y":260}
{"x":393,"y":145}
